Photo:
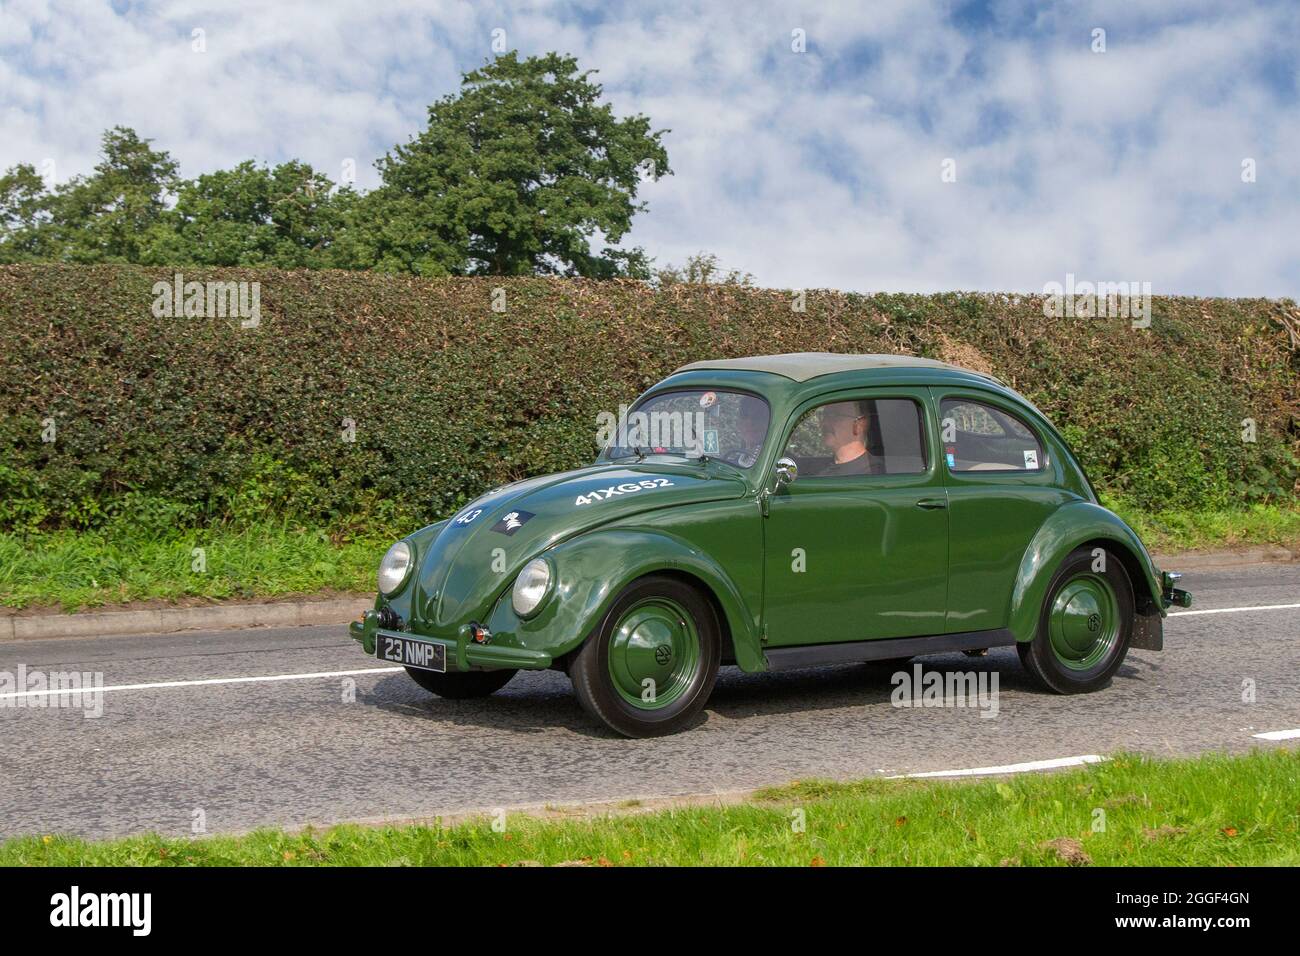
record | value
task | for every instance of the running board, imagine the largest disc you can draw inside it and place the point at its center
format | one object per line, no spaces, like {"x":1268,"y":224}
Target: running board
{"x":849,"y":652}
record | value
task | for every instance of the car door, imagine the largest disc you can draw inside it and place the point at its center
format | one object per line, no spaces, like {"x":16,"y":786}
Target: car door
{"x":1002,"y":483}
{"x":856,"y":556}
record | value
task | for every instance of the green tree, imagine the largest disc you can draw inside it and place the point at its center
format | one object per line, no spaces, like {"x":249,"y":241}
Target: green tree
{"x":517,"y":174}
{"x":24,"y":215}
{"x":253,"y":215}
{"x":113,"y":214}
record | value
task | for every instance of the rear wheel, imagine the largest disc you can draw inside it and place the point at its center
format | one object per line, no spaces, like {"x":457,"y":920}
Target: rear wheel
{"x":461,"y":685}
{"x":1085,"y":624}
{"x":649,"y":668}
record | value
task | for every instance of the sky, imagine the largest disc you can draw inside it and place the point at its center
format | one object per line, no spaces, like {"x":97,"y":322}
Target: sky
{"x":900,"y":145}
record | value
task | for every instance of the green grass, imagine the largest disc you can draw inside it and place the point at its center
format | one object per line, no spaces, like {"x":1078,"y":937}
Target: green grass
{"x":1180,"y":530}
{"x":126,"y":562}
{"x":75,"y":569}
{"x":1208,"y":811}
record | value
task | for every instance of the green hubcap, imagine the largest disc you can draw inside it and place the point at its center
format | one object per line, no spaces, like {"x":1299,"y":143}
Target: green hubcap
{"x":1084,"y":622}
{"x":653,"y":653}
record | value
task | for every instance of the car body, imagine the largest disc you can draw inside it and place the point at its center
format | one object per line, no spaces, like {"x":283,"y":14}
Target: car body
{"x":888,"y":506}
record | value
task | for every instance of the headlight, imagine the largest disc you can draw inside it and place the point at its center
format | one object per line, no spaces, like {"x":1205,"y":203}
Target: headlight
{"x":531,"y":587}
{"x":394,"y":568}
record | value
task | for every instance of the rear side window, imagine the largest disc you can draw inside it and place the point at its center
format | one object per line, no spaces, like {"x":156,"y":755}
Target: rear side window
{"x":980,"y":437}
{"x":883,"y":436}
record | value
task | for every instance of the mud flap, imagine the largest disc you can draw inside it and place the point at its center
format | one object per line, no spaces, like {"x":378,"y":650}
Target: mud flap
{"x":1148,"y":629}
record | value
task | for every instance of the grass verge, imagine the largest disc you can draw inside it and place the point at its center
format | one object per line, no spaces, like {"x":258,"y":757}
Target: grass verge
{"x":83,"y":569}
{"x":120,"y":563}
{"x":1212,"y":810}
{"x":1180,"y":530}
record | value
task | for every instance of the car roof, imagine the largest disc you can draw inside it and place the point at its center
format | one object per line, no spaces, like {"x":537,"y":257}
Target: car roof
{"x":802,"y":366}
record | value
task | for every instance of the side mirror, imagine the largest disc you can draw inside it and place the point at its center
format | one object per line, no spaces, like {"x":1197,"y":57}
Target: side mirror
{"x":786,"y":471}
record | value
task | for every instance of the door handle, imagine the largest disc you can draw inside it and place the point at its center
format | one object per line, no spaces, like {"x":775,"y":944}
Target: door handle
{"x":932,"y":504}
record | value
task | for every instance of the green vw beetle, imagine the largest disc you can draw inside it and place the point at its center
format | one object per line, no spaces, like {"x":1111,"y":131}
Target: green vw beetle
{"x":777,"y":512}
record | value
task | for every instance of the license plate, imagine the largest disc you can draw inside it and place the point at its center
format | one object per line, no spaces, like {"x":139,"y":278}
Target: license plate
{"x":426,"y":655}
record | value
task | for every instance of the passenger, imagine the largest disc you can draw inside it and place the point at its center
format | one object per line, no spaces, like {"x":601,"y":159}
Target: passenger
{"x":844,"y":433}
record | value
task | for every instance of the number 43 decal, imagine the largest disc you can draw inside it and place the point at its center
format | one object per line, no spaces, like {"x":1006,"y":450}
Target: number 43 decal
{"x":627,"y":488}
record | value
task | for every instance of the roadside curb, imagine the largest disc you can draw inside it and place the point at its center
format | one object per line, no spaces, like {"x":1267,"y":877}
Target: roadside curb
{"x":216,"y":617}
{"x":1194,"y":561}
{"x":220,"y":617}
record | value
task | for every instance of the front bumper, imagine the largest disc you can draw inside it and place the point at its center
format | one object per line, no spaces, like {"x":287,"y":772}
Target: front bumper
{"x":463,"y":653}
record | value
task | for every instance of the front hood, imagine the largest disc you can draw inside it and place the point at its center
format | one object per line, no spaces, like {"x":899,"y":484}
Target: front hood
{"x":464,"y":566}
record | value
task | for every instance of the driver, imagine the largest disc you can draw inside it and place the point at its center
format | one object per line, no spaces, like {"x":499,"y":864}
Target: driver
{"x":844,"y":433}
{"x":751,"y":428}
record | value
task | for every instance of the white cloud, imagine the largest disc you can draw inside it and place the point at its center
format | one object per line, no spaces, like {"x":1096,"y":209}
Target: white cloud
{"x":813,"y":169}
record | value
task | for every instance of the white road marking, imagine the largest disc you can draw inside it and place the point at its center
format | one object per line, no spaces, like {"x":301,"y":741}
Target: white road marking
{"x":1032,"y":765}
{"x":1234,"y":610}
{"x":1278,"y":735}
{"x":200,"y":683}
{"x":1012,"y":768}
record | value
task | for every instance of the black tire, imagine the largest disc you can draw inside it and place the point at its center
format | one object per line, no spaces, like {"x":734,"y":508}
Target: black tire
{"x":461,"y":685}
{"x":1042,"y":662}
{"x":594,"y":685}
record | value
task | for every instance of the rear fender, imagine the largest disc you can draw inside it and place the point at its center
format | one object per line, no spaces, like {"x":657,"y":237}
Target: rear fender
{"x":1069,"y":527}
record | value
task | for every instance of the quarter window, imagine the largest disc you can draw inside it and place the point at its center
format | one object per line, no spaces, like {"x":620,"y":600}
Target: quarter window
{"x":980,"y":437}
{"x":881,"y":436}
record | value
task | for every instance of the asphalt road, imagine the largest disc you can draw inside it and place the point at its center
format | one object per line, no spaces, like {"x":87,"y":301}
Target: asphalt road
{"x":303,"y":750}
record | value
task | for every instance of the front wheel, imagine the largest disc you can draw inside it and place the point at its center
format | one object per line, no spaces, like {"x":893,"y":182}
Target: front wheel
{"x":1085,"y":625}
{"x":463,"y":685}
{"x":650,"y":666}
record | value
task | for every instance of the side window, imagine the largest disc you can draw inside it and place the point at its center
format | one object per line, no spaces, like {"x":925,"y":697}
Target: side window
{"x":980,"y":437}
{"x":883,"y":436}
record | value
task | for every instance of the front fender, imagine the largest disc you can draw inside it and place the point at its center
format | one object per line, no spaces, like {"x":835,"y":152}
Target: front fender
{"x":403,"y":601}
{"x":1069,"y":527}
{"x":593,"y":568}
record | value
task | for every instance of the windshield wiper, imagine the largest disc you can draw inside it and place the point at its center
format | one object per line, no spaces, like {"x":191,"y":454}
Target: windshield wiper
{"x":706,"y":460}
{"x":638,"y":453}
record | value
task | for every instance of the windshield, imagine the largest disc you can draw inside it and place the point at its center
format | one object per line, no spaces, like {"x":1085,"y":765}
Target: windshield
{"x":729,"y":426}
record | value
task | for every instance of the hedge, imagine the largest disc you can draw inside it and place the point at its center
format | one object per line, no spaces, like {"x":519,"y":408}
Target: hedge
{"x":201,"y":419}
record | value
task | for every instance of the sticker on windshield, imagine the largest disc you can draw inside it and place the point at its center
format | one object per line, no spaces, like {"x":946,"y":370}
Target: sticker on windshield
{"x":1031,"y":459}
{"x":710,"y":441}
{"x":627,"y":488}
{"x":708,"y":399}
